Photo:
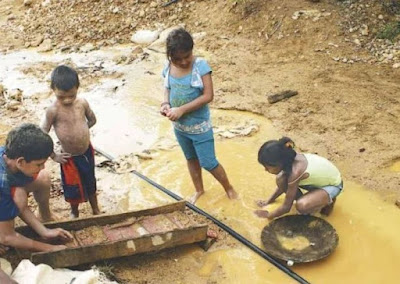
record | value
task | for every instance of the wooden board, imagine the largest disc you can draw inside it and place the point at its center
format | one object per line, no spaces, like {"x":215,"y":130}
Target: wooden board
{"x":104,"y":237}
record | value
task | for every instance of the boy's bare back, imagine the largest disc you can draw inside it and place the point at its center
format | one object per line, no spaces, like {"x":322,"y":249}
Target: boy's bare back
{"x":71,"y":124}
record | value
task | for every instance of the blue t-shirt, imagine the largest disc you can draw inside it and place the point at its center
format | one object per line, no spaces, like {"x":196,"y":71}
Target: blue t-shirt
{"x":186,"y":89}
{"x":8,"y":180}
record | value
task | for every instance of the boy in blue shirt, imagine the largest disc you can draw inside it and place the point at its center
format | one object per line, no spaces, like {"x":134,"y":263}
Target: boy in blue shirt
{"x":21,"y":160}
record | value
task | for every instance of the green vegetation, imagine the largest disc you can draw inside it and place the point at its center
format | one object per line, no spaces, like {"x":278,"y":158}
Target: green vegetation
{"x":390,"y":31}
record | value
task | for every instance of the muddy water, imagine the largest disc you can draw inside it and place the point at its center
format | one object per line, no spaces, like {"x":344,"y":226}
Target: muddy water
{"x":367,"y":226}
{"x":128,"y":122}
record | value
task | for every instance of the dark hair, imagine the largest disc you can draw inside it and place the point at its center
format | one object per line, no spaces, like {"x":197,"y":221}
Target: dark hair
{"x":178,"y":40}
{"x":28,"y":141}
{"x":64,"y":78}
{"x":278,"y":153}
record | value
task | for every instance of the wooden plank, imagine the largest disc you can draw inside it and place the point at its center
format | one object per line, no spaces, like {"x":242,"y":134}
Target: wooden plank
{"x":101,"y":220}
{"x":89,"y":254}
{"x":274,"y":98}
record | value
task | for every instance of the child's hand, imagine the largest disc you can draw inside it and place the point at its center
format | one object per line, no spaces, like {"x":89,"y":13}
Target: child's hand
{"x":165,"y":109}
{"x":61,"y":157}
{"x":262,"y":203}
{"x":58,"y":233}
{"x":174,"y":113}
{"x":263,"y":214}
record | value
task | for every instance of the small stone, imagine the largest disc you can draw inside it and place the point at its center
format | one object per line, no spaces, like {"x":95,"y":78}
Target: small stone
{"x":397,"y":203}
{"x":153,"y":4}
{"x":27,"y":2}
{"x":16,"y":95}
{"x":46,"y":46}
{"x":37,"y":41}
{"x":173,"y":17}
{"x":137,"y":50}
{"x":87,"y":48}
{"x":396,"y":65}
{"x":364,"y":30}
{"x":357,"y":41}
{"x":380,"y":17}
{"x":13,"y":105}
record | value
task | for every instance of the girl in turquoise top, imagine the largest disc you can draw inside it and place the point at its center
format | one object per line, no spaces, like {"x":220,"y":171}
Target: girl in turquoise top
{"x":293,"y":171}
{"x":188,"y":90}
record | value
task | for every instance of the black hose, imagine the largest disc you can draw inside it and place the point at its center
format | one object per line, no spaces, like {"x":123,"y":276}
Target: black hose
{"x":233,"y":233}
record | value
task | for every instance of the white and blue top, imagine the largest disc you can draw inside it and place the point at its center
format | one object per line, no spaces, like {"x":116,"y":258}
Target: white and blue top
{"x":186,"y":89}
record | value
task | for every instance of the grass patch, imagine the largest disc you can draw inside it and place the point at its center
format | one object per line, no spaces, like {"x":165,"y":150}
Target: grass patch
{"x":391,"y":31}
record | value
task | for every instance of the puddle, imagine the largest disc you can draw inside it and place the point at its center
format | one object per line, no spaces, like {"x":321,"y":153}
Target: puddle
{"x":367,"y":226}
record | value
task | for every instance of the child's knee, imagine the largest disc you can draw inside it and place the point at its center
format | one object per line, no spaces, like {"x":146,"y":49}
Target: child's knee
{"x":302,"y":206}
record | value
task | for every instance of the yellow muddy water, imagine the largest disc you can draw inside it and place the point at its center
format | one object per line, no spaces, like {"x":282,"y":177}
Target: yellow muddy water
{"x":367,"y":226}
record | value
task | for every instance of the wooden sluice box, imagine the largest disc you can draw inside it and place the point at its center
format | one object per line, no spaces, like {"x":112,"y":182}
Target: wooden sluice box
{"x":109,"y":236}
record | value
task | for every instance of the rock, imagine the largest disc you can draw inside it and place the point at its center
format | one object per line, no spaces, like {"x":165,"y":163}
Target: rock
{"x":397,"y":203}
{"x":364,"y":30}
{"x":11,"y":17}
{"x":357,"y":41}
{"x":173,"y":17}
{"x":159,"y":44}
{"x":119,"y":59}
{"x":87,"y":48}
{"x":396,"y":65}
{"x":380,"y":17}
{"x":13,"y":105}
{"x":45,"y":46}
{"x":137,"y":50}
{"x":27,"y":2}
{"x":37,"y":41}
{"x":153,"y":4}
{"x":199,"y":36}
{"x":15,"y":94}
{"x":145,"y":36}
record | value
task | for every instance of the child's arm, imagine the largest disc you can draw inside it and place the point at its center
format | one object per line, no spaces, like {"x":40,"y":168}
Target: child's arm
{"x":205,"y":98}
{"x":21,"y":200}
{"x":46,"y":125}
{"x":278,"y":192}
{"x":165,"y":105}
{"x":90,"y":116}
{"x":9,"y":237}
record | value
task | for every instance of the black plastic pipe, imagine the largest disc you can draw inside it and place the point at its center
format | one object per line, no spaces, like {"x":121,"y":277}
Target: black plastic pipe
{"x":233,"y":233}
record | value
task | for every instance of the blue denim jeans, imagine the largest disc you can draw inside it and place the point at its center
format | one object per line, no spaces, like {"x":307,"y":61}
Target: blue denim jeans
{"x":198,"y":146}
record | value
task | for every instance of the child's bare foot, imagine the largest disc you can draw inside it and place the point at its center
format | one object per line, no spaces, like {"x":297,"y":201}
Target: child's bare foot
{"x":50,"y":218}
{"x":195,"y":196}
{"x":232,"y":194}
{"x":74,"y":212}
{"x":97,"y":211}
{"x":328,"y":208}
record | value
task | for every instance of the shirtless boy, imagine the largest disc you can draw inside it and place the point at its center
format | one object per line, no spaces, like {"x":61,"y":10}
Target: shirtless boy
{"x":71,"y":118}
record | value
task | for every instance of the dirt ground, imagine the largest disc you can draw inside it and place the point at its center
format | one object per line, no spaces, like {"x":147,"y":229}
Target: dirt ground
{"x":347,"y":108}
